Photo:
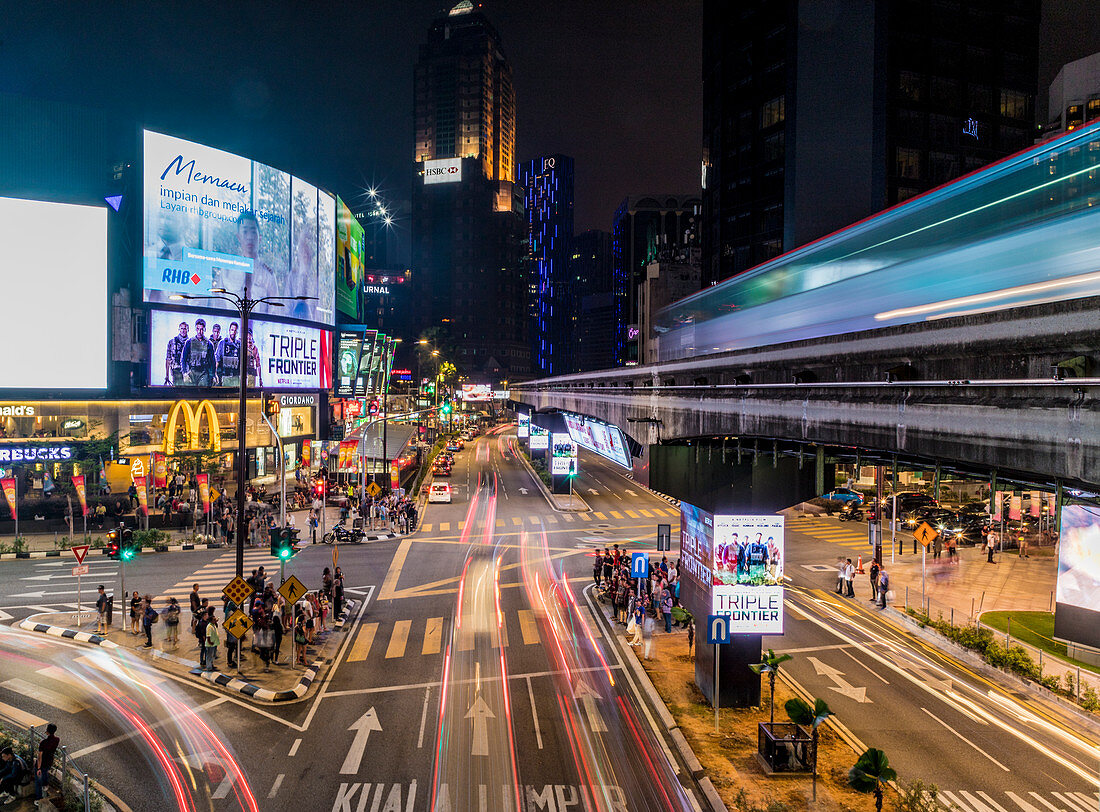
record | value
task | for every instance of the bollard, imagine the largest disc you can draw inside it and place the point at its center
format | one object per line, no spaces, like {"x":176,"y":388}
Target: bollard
{"x":1008,"y":633}
{"x":971,"y":607}
{"x":952,"y":615}
{"x":1050,"y":606}
{"x":1078,"y":683}
{"x":906,"y":597}
{"x":1040,"y":662}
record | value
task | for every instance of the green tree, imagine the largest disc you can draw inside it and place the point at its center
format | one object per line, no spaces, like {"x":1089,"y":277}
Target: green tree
{"x":801,"y":713}
{"x":871,"y":773}
{"x":770,"y":666}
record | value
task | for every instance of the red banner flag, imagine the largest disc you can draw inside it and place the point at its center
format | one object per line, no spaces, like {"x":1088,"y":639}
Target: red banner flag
{"x":81,"y":493}
{"x":204,"y":491}
{"x":142,"y":494}
{"x":9,"y":492}
{"x":160,"y":470}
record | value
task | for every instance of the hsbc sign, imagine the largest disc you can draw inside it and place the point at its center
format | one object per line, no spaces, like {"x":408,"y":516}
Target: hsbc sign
{"x":442,"y":170}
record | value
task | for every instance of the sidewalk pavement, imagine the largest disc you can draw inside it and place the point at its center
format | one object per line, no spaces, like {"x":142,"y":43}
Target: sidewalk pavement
{"x":281,"y":682}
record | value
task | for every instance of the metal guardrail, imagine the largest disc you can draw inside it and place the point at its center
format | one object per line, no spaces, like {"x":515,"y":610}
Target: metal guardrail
{"x":64,"y":765}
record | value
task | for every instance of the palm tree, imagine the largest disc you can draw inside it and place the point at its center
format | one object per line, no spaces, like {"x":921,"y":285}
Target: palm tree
{"x":770,"y":666}
{"x":871,"y":773}
{"x":801,"y":713}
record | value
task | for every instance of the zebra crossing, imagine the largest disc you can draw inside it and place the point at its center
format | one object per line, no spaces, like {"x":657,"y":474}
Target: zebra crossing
{"x":564,"y":518}
{"x":980,"y":801}
{"x":853,"y":538}
{"x":213,"y":577}
{"x":397,"y":639}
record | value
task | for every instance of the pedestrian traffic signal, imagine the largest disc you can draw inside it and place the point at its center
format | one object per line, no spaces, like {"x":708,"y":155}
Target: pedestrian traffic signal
{"x":112,"y":544}
{"x":284,"y":542}
{"x":127,"y":548}
{"x":319,"y":488}
{"x":446,"y":407}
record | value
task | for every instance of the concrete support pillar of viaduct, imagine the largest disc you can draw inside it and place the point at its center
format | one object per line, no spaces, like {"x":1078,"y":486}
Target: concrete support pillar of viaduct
{"x":710,"y":477}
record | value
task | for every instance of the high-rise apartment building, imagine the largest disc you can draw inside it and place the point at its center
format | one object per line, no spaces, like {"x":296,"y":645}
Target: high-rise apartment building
{"x":467,"y":217}
{"x":601,"y":305}
{"x":816,"y":115}
{"x":548,"y":198}
{"x":1074,"y":96}
{"x":642,"y":225}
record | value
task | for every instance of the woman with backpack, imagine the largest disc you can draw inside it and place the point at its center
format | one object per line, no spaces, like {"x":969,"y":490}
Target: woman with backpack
{"x":172,"y":623}
{"x":149,"y":616}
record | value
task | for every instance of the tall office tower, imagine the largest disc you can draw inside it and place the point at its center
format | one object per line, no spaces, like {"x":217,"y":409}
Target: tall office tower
{"x":642,"y":225}
{"x":548,"y":198}
{"x":467,"y":218}
{"x":816,"y":115}
{"x":1074,"y":96}
{"x":602,"y":306}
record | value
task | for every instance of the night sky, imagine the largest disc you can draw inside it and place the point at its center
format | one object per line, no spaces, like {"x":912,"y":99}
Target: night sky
{"x":324,"y":90}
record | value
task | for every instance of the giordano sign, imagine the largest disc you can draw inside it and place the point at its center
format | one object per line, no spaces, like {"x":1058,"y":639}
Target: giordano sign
{"x":192,"y":422}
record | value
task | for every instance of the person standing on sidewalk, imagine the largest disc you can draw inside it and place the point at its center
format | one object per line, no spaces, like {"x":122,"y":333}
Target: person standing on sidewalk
{"x":990,"y":546}
{"x":883,"y":587}
{"x":149,"y":616}
{"x":135,"y":612}
{"x":43,"y":762}
{"x":666,"y":609}
{"x":199,"y":628}
{"x":841,"y":571}
{"x":101,"y":611}
{"x":874,"y":580}
{"x":597,"y":568}
{"x":212,"y":640}
{"x":172,"y":623}
{"x":337,"y":595}
{"x":849,"y":576}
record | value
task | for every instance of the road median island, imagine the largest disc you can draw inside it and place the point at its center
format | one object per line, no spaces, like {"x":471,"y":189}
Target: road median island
{"x":561,"y":502}
{"x":280,"y":683}
{"x":727,"y":760}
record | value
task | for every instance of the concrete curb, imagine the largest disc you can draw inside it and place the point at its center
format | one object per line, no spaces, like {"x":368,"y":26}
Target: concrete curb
{"x":216,"y":677}
{"x":680,"y":743}
{"x":549,"y":496}
{"x":672,"y":500}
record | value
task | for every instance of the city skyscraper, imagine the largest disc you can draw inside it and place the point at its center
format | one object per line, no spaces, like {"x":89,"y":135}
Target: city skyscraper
{"x":548,"y":199}
{"x":601,"y":305}
{"x":467,"y":217}
{"x":816,"y":115}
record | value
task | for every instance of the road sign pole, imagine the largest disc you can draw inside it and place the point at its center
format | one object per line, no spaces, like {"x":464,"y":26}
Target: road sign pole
{"x":923,"y":570}
{"x":78,"y":613}
{"x":715,"y":687}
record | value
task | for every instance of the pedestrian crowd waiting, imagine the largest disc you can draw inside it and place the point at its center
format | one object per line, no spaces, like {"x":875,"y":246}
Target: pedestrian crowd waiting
{"x":637,"y":606}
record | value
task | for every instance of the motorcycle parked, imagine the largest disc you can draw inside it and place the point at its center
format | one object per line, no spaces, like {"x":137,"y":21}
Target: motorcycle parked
{"x":341,"y":534}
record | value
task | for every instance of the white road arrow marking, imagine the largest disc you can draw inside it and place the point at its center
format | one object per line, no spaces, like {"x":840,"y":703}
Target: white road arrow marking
{"x":593,"y":491}
{"x":42,"y":594}
{"x":585,"y":694}
{"x":843,"y":687}
{"x":629,"y":492}
{"x":481,"y":713}
{"x":523,"y":491}
{"x":362,"y":727}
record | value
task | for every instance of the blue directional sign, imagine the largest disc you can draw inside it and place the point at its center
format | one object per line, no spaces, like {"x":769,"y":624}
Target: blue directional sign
{"x":718,"y":630}
{"x":639,"y":565}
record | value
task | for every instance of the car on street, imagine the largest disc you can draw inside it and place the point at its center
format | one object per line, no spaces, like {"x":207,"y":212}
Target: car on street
{"x":455,"y":445}
{"x":907,"y":502}
{"x":439,"y":492}
{"x":843,"y":495}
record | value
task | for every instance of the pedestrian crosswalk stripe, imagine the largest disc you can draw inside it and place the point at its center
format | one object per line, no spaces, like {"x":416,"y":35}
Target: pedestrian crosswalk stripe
{"x":528,"y":626}
{"x":585,"y":517}
{"x":20,"y":717}
{"x":500,"y":522}
{"x":433,"y":636}
{"x":517,"y":521}
{"x":616,"y":515}
{"x":646,"y":513}
{"x":982,"y":801}
{"x":600,"y":516}
{"x":533,"y":519}
{"x":361,"y":647}
{"x":565,"y":516}
{"x":44,"y":695}
{"x":398,"y":639}
{"x":551,"y":520}
{"x":108,"y":666}
{"x":462,"y":525}
{"x":632,"y":514}
{"x":444,"y":527}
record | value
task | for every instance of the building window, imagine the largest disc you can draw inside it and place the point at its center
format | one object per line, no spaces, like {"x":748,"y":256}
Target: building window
{"x":909,"y":86}
{"x":906,"y":192}
{"x":943,"y":92}
{"x":773,"y":147}
{"x":908,"y":163}
{"x":1092,"y":109}
{"x":943,"y":130}
{"x":980,"y":98}
{"x":1015,"y":104}
{"x":942,"y":167}
{"x":773,"y":112}
{"x":771,"y":248}
{"x":1075,"y":116}
{"x":911,"y":124}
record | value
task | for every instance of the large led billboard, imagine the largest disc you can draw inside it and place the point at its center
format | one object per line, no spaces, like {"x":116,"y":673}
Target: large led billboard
{"x":603,"y":439}
{"x":1077,"y":593}
{"x":442,"y":170}
{"x":737,"y":562}
{"x":523,"y":425}
{"x":563,"y":454}
{"x":216,"y":220}
{"x":348,"y":348}
{"x":54,"y":281}
{"x":203,"y":350}
{"x":350,"y":251}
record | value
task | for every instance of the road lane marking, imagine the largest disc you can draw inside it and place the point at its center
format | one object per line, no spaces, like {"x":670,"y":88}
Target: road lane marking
{"x":294,"y":748}
{"x":568,"y":517}
{"x":423,"y":718}
{"x":961,"y":736}
{"x":361,"y":647}
{"x":601,"y":516}
{"x":616,"y":515}
{"x":1072,"y":802}
{"x":44,"y":695}
{"x":528,"y":627}
{"x":632,"y":514}
{"x":517,"y":521}
{"x":398,"y":639}
{"x":20,"y":717}
{"x":433,"y":636}
{"x":533,"y":519}
{"x":857,"y":662}
{"x":275,"y":787}
{"x":534,"y":713}
{"x":444,"y":527}
{"x":646,"y":513}
{"x":550,"y":519}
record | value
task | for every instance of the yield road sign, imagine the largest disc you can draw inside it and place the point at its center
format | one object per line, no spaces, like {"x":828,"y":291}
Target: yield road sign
{"x":80,"y":569}
{"x":237,"y":591}
{"x":292,"y":589}
{"x":925,"y":534}
{"x":80,"y":551}
{"x":718,"y":630}
{"x":238,"y":624}
{"x":639,"y":565}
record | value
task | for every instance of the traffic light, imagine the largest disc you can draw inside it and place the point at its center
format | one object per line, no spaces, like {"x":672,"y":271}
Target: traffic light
{"x":112,"y":544}
{"x":127,"y":548}
{"x":283,"y":542}
{"x":319,"y":488}
{"x":446,"y":407}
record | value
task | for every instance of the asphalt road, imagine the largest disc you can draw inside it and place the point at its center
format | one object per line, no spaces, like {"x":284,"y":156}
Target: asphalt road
{"x":475,"y":678}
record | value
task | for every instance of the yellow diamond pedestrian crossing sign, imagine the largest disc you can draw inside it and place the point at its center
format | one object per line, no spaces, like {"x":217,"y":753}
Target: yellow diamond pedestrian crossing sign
{"x":292,"y":589}
{"x":925,"y":534}
{"x":374,"y":489}
{"x":238,"y":624}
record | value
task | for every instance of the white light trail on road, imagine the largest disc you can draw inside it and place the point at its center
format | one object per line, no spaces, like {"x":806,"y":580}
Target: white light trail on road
{"x":961,"y":736}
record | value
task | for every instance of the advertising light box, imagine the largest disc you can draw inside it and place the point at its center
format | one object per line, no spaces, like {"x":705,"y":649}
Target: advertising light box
{"x":350,"y":251}
{"x":200,"y":350}
{"x":54,"y":281}
{"x":216,"y":220}
{"x":603,"y":439}
{"x":442,"y":170}
{"x":563,"y":455}
{"x":738,"y":561}
{"x":348,"y":348}
{"x":1077,"y":594}
{"x":540,"y":438}
{"x":476,"y":392}
{"x":523,"y":427}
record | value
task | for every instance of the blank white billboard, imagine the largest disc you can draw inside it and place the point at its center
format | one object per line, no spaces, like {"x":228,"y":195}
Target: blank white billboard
{"x":53,"y":272}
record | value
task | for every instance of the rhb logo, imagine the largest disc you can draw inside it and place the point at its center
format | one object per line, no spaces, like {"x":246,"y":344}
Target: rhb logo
{"x":178,"y":276}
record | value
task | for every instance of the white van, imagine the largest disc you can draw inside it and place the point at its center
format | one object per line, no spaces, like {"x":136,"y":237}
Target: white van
{"x":439,"y":492}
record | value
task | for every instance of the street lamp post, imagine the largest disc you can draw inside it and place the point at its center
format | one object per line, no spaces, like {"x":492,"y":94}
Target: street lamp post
{"x":244,"y":306}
